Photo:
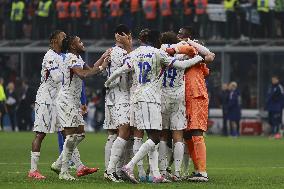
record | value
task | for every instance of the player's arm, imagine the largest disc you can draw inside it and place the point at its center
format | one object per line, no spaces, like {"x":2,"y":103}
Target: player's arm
{"x":82,"y":73}
{"x":120,"y":71}
{"x":209,"y":56}
{"x":54,"y":71}
{"x":100,"y":61}
{"x":180,"y":64}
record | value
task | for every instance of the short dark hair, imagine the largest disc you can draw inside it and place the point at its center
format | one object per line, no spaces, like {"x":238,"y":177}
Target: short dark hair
{"x":121,"y":28}
{"x":54,"y":35}
{"x":143,"y":35}
{"x":189,"y":30}
{"x":66,"y":43}
{"x":275,"y":76}
{"x":169,"y":37}
{"x":154,"y":38}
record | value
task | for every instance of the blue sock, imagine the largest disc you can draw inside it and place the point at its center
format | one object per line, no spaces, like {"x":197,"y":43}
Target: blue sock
{"x":60,"y":141}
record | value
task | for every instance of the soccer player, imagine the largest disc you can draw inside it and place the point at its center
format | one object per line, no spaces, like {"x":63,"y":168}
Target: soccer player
{"x":45,"y":117}
{"x":173,"y":111}
{"x":147,"y":61}
{"x":117,"y":107}
{"x":196,"y":98}
{"x":68,"y":100}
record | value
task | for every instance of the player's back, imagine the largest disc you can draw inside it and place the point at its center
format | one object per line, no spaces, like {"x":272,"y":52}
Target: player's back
{"x":146,"y":61}
{"x":48,"y":90}
{"x":71,"y":88}
{"x":173,"y":79}
{"x":118,"y":92}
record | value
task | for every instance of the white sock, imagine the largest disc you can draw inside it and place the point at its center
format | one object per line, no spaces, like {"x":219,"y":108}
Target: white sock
{"x":34,"y":160}
{"x":169,"y":156}
{"x":137,"y":144}
{"x":128,"y":151}
{"x":109,"y":143}
{"x":119,"y":164}
{"x":154,"y":162}
{"x":144,"y":149}
{"x":163,"y":162}
{"x":186,"y":160}
{"x":68,"y":148}
{"x":58,"y":162}
{"x":116,"y":153}
{"x":79,"y":138}
{"x":178,"y":157}
{"x":76,"y":159}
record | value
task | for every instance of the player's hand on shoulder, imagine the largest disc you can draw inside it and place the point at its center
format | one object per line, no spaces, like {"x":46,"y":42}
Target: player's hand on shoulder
{"x":107,"y":53}
{"x":84,"y":109}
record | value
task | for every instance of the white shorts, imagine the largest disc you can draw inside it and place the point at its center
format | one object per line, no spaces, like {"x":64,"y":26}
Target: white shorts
{"x":173,"y":114}
{"x":68,"y":115}
{"x":45,"y":118}
{"x":116,"y":115}
{"x":147,"y":115}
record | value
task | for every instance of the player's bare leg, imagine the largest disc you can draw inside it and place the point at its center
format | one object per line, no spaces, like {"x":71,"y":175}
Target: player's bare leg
{"x":35,"y":155}
{"x":178,"y":151}
{"x":117,"y":150}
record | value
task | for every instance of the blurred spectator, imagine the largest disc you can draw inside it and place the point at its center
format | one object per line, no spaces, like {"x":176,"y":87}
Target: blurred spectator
{"x":116,"y":12}
{"x":234,"y":109}
{"x":279,"y":14}
{"x":44,"y":18}
{"x":166,"y":14}
{"x":202,"y":18}
{"x":224,"y":98}
{"x":263,"y":11}
{"x":231,"y":24}
{"x":76,"y":7}
{"x":135,"y":10}
{"x":243,"y":11}
{"x":62,"y":15}
{"x":95,"y":8}
{"x":11,"y":103}
{"x":2,"y":102}
{"x":17,"y":18}
{"x":188,"y":12}
{"x":150,"y":8}
{"x":25,"y":108}
{"x":274,"y":105}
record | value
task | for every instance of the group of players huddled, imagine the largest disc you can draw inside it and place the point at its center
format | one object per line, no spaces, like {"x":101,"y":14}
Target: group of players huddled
{"x":158,"y":87}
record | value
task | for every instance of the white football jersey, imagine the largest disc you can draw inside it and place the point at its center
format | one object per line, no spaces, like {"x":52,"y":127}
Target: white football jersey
{"x":70,"y":92}
{"x":51,"y":77}
{"x":147,"y":61}
{"x":118,"y":92}
{"x":173,"y":84}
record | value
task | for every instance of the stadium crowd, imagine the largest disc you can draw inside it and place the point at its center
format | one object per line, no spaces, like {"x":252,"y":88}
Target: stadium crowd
{"x":214,"y":19}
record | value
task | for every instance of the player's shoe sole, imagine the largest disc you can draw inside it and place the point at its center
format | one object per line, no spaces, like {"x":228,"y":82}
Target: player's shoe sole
{"x":198,"y":178}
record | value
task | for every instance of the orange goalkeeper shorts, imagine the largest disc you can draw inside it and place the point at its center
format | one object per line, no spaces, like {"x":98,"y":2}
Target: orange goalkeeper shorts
{"x":197,"y":113}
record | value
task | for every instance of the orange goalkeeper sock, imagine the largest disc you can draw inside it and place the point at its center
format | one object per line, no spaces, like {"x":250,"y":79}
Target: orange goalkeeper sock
{"x":200,"y":153}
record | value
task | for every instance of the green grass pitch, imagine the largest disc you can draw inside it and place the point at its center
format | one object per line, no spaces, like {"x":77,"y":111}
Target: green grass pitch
{"x":246,"y":162}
